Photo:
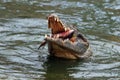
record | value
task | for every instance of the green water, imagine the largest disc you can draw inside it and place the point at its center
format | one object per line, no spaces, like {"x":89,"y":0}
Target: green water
{"x":23,"y":24}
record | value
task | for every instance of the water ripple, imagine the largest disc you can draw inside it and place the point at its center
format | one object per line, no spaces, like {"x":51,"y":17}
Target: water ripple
{"x":23,"y":24}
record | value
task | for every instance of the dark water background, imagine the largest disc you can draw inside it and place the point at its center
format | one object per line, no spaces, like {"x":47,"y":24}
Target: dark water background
{"x":23,"y":24}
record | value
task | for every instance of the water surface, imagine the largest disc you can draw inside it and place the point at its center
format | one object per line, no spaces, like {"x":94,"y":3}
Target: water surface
{"x":23,"y":24}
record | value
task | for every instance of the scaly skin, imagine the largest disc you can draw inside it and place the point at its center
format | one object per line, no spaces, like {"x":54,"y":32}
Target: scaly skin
{"x":65,"y":42}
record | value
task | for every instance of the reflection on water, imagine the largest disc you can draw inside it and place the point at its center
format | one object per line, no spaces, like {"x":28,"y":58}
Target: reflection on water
{"x":23,"y":24}
{"x":59,"y":69}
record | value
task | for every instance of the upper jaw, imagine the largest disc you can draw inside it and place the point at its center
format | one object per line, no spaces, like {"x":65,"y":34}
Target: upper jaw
{"x":55,"y":24}
{"x":53,"y":17}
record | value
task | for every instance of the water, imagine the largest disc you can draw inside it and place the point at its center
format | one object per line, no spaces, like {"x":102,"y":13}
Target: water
{"x":23,"y":24}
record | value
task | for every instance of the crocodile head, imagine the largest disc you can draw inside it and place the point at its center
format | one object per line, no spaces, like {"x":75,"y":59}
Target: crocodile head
{"x":65,"y":42}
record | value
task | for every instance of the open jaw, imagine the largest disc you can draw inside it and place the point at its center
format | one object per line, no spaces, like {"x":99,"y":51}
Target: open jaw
{"x":55,"y":24}
{"x":65,"y":42}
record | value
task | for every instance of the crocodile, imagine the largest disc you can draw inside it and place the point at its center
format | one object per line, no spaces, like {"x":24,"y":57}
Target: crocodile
{"x":65,"y":42}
